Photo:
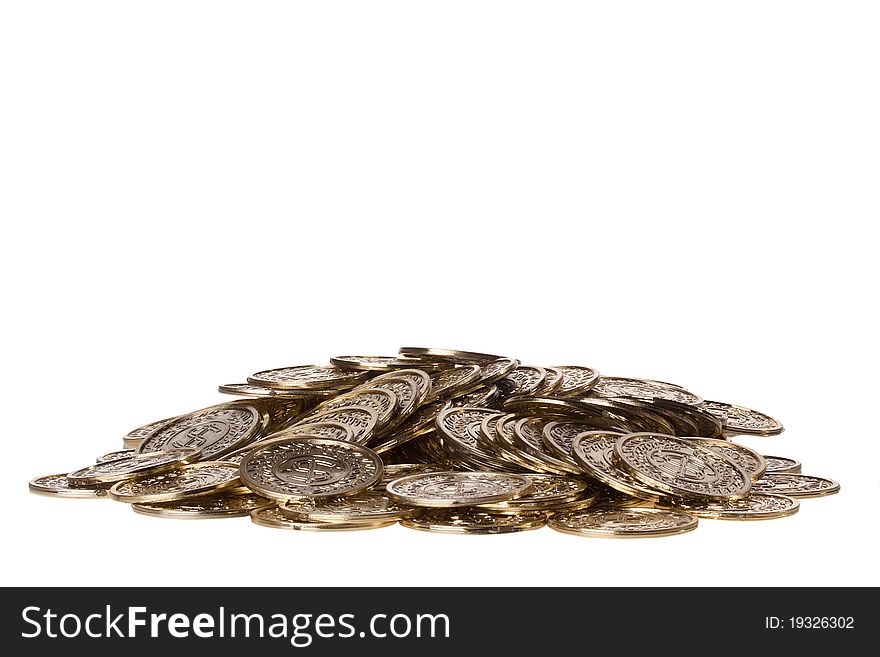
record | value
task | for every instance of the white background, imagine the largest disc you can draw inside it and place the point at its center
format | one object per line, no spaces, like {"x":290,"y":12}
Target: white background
{"x":192,"y":191}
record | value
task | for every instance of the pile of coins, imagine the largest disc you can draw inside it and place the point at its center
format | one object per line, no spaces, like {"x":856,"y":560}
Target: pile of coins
{"x":452,"y":441}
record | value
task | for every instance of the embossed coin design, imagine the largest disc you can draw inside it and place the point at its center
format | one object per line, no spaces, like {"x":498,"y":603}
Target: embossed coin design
{"x":782,"y":464}
{"x":215,"y":431}
{"x":109,"y":472}
{"x":594,"y":452}
{"x":187,"y":481}
{"x":576,"y":380}
{"x":361,"y":420}
{"x":365,"y":506}
{"x":616,"y":386}
{"x":452,"y":489}
{"x":383,"y":401}
{"x":749,"y":460}
{"x":112,"y":456}
{"x":293,"y":468}
{"x":742,"y":420}
{"x":308,"y":377}
{"x":222,"y":506}
{"x":757,"y":506}
{"x":474,"y":521}
{"x":795,"y":485}
{"x":58,"y":485}
{"x":680,"y":467}
{"x":369,"y":363}
{"x":547,"y":491}
{"x":524,"y":380}
{"x":272,"y":517}
{"x":623,"y":523}
{"x":453,"y":382}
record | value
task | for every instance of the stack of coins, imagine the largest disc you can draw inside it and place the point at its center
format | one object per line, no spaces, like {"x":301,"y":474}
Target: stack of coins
{"x":454,"y":442}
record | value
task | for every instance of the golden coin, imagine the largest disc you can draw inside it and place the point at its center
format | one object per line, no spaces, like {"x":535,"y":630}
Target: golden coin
{"x":58,"y":485}
{"x":366,"y":506}
{"x":272,"y":517}
{"x":742,"y":420}
{"x":188,"y":481}
{"x":308,"y":377}
{"x":795,"y":485}
{"x":474,"y":521}
{"x":782,"y":464}
{"x":748,"y":459}
{"x":214,"y":506}
{"x":757,"y":506}
{"x":623,"y":522}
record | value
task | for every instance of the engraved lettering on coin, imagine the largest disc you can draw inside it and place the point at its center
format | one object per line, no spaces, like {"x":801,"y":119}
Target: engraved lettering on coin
{"x":450,"y":383}
{"x":495,"y":370}
{"x":524,"y":380}
{"x":58,"y":485}
{"x":360,"y":419}
{"x":680,"y":467}
{"x":112,"y":456}
{"x":594,"y":452}
{"x":421,"y":378}
{"x":749,"y":460}
{"x":613,"y":386}
{"x":215,"y":431}
{"x":366,"y":505}
{"x":546,"y":490}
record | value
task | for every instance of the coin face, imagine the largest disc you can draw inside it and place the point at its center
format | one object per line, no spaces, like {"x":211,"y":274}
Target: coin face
{"x":112,"y":456}
{"x":331,"y":430}
{"x":747,"y":459}
{"x":109,"y":472}
{"x":452,"y":355}
{"x":381,"y":400}
{"x":795,"y":485}
{"x":361,"y":420}
{"x":745,"y":420}
{"x":495,"y":370}
{"x":58,"y":485}
{"x":528,"y":436}
{"x":757,"y":506}
{"x":461,"y":426}
{"x":272,"y":517}
{"x":292,"y":468}
{"x":782,"y":464}
{"x":246,"y":390}
{"x":547,"y":491}
{"x":615,"y":386}
{"x":220,"y":506}
{"x":408,"y":399}
{"x":449,"y":383}
{"x":482,"y":397}
{"x":133,"y":438}
{"x":308,"y":377}
{"x":552,"y":381}
{"x":576,"y":380}
{"x":369,"y":363}
{"x":187,"y":481}
{"x":594,"y":452}
{"x":558,"y":436}
{"x":452,"y":489}
{"x":623,"y":522}
{"x":215,"y":431}
{"x":680,"y":467}
{"x":524,"y":380}
{"x":420,"y":378}
{"x":365,"y":506}
{"x":474,"y":521}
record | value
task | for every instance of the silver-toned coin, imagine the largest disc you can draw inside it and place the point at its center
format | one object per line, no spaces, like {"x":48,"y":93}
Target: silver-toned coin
{"x":136,"y":465}
{"x":58,"y":485}
{"x":453,"y":489}
{"x":474,"y":521}
{"x":782,"y":464}
{"x":576,"y":380}
{"x":748,"y":459}
{"x":459,"y":429}
{"x":219,"y":506}
{"x":795,"y":485}
{"x":207,"y":477}
{"x":112,"y":456}
{"x":623,"y":522}
{"x":616,"y":386}
{"x":557,"y":437}
{"x":756,"y":506}
{"x":680,"y":467}
{"x":293,"y":468}
{"x":362,"y":420}
{"x":742,"y":420}
{"x":272,"y":517}
{"x":365,"y":506}
{"x":216,"y":431}
{"x":309,"y":377}
{"x":408,"y":399}
{"x":594,"y":452}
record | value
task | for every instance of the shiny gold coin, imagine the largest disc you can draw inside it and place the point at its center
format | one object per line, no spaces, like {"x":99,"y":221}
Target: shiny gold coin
{"x":112,"y":456}
{"x":795,"y":485}
{"x":272,"y":517}
{"x":757,"y":506}
{"x":58,"y":485}
{"x":381,"y":400}
{"x":748,"y":459}
{"x":453,"y":382}
{"x":547,"y":490}
{"x":369,"y":363}
{"x":189,"y":481}
{"x":106,"y":473}
{"x":220,"y":506}
{"x":452,"y":355}
{"x":524,"y":380}
{"x":362,"y":420}
{"x":593,"y":451}
{"x":308,"y":377}
{"x":742,"y":420}
{"x":552,"y":382}
{"x":453,"y":489}
{"x":135,"y":437}
{"x":366,"y":506}
{"x":474,"y":521}
{"x":782,"y":464}
{"x":576,"y":380}
{"x":617,"y":386}
{"x":623,"y":522}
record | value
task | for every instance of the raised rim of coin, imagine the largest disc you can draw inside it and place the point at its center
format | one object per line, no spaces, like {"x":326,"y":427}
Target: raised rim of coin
{"x":450,"y":383}
{"x":117,"y":454}
{"x":634,"y":453}
{"x":782,"y":464}
{"x":361,"y":397}
{"x":365,"y":506}
{"x":271,"y":516}
{"x":744,"y":420}
{"x":748,"y":459}
{"x":331,"y":430}
{"x":184,"y":482}
{"x":795,"y":485}
{"x":643,"y":389}
{"x":207,"y":507}
{"x":515,"y":384}
{"x":593,"y":451}
{"x":245,"y":390}
{"x":369,"y":363}
{"x":362,"y":428}
{"x":474,"y":521}
{"x":576,"y":379}
{"x":453,"y":489}
{"x":454,"y":355}
{"x":623,"y":522}
{"x":338,"y":478}
{"x":308,"y":377}
{"x":106,"y":473}
{"x":57,"y":485}
{"x":757,"y":506}
{"x":547,"y":490}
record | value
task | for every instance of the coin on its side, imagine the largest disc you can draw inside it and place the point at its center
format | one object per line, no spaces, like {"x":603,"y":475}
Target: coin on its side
{"x":292,"y":468}
{"x":331,"y":430}
{"x":748,"y":459}
{"x":623,"y":522}
{"x":552,"y":382}
{"x":474,"y":521}
{"x":742,"y":420}
{"x":453,"y":382}
{"x":593,"y":451}
{"x":680,"y":467}
{"x":452,"y":489}
{"x":58,"y":485}
{"x":272,"y":517}
{"x":214,"y":506}
{"x":617,"y":386}
{"x":118,"y":454}
{"x":364,"y":506}
{"x":576,"y":380}
{"x":362,"y":420}
{"x":795,"y":485}
{"x":547,"y":491}
{"x":136,"y":465}
{"x":782,"y":464}
{"x":369,"y":363}
{"x":420,"y":378}
{"x":382,"y":401}
{"x":245,"y":390}
{"x":757,"y":506}
{"x":135,"y":437}
{"x":524,"y":380}
{"x":451,"y":355}
{"x":188,"y":481}
{"x":308,"y":377}
{"x":493,"y":371}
